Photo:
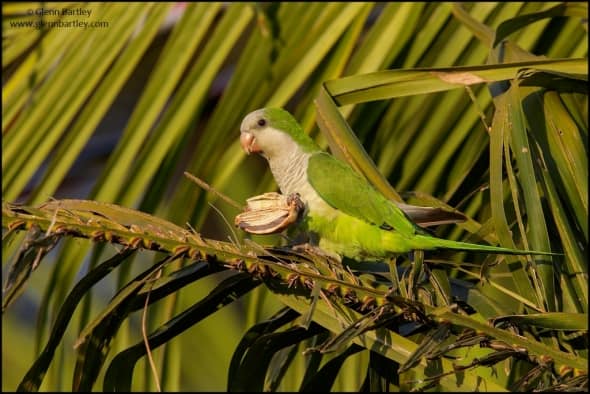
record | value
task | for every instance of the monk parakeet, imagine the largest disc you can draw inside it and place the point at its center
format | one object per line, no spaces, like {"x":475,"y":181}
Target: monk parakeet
{"x":343,"y":213}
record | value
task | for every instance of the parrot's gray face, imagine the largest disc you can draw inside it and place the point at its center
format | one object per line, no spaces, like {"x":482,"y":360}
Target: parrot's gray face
{"x":251,"y":127}
{"x":258,"y":136}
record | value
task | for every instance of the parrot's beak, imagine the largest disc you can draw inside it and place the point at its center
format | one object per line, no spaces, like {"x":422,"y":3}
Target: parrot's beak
{"x":248,"y":142}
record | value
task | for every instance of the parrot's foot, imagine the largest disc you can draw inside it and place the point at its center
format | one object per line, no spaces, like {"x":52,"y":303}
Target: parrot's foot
{"x":317,"y":251}
{"x":294,"y":202}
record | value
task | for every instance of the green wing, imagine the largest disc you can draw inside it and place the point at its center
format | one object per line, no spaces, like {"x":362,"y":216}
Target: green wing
{"x":344,"y":189}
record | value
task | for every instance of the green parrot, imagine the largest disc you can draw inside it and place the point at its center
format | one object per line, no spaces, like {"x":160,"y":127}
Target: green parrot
{"x":343,"y":214}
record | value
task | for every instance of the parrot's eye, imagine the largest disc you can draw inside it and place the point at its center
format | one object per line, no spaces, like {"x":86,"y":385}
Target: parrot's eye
{"x":261,"y":122}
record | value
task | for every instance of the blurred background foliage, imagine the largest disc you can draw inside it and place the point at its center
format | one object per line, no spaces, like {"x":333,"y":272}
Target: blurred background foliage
{"x":118,"y":111}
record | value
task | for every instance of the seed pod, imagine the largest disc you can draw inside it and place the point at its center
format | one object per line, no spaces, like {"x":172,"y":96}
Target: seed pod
{"x":269,"y":213}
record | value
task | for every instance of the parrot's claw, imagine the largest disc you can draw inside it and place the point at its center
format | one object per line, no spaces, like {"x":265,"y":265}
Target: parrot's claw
{"x":294,"y":200}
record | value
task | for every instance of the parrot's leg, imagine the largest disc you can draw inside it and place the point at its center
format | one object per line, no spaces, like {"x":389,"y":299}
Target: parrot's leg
{"x":316,"y":250}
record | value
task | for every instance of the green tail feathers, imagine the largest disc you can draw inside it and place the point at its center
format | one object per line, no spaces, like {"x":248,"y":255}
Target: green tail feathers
{"x":438,"y":243}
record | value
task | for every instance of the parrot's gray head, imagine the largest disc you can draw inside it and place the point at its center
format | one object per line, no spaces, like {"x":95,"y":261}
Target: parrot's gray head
{"x":273,"y":132}
{"x":259,"y":134}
